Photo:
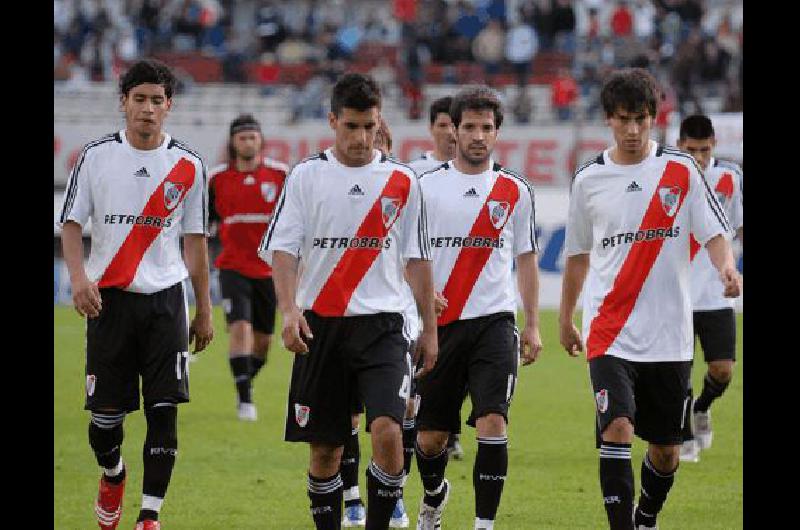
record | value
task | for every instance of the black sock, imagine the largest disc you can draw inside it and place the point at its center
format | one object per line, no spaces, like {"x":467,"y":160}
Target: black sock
{"x":240,"y":367}
{"x":409,"y":436}
{"x":159,"y":453}
{"x":105,"y":439}
{"x":655,"y":487}
{"x":616,"y":483}
{"x":431,"y":471}
{"x":326,"y":501}
{"x":489,"y":475}
{"x":351,"y":456}
{"x":256,"y":363}
{"x":383,"y":490}
{"x":686,"y":432}
{"x":712,"y":389}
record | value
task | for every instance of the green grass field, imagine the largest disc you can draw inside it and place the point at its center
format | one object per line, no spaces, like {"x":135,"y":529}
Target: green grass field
{"x":233,"y":475}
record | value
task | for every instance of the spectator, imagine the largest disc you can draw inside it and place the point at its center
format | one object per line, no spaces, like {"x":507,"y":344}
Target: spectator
{"x":593,"y":29}
{"x":488,"y":48}
{"x":523,"y":106}
{"x":564,"y":26}
{"x":521,"y":47}
{"x":269,"y":28}
{"x":542,"y":21}
{"x":621,"y":21}
{"x":348,"y":38}
{"x":468,"y":24}
{"x":268,"y":74}
{"x":564,"y":94}
{"x":187,"y":27}
{"x":644,"y":15}
{"x":713,"y":67}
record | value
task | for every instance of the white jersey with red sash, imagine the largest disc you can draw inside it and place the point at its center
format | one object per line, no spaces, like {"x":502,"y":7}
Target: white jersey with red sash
{"x":635,"y":221}
{"x":478,"y":224}
{"x":140,"y":202}
{"x":354,"y":228}
{"x":725,"y":178}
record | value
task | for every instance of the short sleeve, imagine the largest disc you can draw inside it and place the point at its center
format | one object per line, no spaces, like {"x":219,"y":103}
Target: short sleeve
{"x":195,"y":205}
{"x":414,"y":228}
{"x":579,"y":226}
{"x":286,"y":230}
{"x":736,"y":213}
{"x":525,"y":222}
{"x":707,"y":219}
{"x":78,"y":204}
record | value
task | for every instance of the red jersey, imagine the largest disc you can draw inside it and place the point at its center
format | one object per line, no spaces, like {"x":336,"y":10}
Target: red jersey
{"x":242,"y":204}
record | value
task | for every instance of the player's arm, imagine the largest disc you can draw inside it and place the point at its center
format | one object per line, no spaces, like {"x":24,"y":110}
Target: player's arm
{"x":85,"y":294}
{"x":575,"y":271}
{"x":420,"y":278}
{"x":285,"y":275}
{"x":528,"y":284}
{"x":721,"y":254}
{"x":201,"y":329}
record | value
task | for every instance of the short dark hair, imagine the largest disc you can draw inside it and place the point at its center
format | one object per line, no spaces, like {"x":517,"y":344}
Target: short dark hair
{"x":696,"y":126}
{"x":355,"y":91}
{"x":633,"y":89}
{"x":441,"y":105}
{"x":476,"y":98}
{"x":148,"y":71}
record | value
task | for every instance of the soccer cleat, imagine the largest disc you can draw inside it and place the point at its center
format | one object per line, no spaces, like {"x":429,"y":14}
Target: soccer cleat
{"x":702,"y":429}
{"x":690,"y":451}
{"x":247,"y":412}
{"x":148,"y":524}
{"x":354,"y":515}
{"x":108,"y":506}
{"x":430,"y":518}
{"x":399,"y":517}
{"x":456,"y":452}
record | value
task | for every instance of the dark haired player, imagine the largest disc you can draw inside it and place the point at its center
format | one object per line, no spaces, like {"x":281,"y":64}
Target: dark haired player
{"x":631,"y":212}
{"x":142,"y":190}
{"x":357,"y":220}
{"x":714,"y":318}
{"x":242,"y":197}
{"x":482,"y":220}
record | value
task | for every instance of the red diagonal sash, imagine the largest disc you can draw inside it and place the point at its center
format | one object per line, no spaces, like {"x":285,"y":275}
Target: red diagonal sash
{"x":351,"y":269}
{"x":122,"y":269}
{"x":618,"y":303}
{"x":472,"y":260}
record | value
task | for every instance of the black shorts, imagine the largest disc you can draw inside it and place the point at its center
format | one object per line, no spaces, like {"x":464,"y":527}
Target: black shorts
{"x":359,"y":359}
{"x":717,"y":333}
{"x":250,"y":299}
{"x":357,"y":406}
{"x":652,"y":395}
{"x":138,"y":334}
{"x":478,"y":356}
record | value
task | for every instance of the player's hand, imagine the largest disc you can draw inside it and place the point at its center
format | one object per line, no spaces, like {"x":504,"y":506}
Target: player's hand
{"x":439,"y":303}
{"x":86,"y":298}
{"x":531,"y":344}
{"x":428,"y":348}
{"x":570,"y":338}
{"x":732,"y":281}
{"x":295,"y":328}
{"x":201,"y":331}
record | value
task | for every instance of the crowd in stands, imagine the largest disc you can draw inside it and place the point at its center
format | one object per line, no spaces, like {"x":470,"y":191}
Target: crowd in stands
{"x":693,"y":47}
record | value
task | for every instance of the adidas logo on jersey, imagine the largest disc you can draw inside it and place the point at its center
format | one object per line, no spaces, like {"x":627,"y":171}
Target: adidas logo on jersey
{"x":141,"y":173}
{"x":356,"y":191}
{"x":471,"y":193}
{"x":633,"y":187}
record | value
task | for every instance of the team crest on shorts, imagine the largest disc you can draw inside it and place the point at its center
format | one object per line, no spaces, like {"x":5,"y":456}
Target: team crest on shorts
{"x":670,"y":198}
{"x":602,"y":400}
{"x":268,"y":191}
{"x":90,"y":382}
{"x":301,"y":414}
{"x":498,"y":213}
{"x":172,"y":194}
{"x":390,"y":208}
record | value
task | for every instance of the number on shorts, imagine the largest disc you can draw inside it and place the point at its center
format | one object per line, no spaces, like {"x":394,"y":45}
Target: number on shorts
{"x":405,"y":388}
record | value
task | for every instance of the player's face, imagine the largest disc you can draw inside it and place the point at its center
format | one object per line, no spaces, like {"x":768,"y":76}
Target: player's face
{"x":355,"y":134}
{"x":476,"y":136}
{"x":146,"y":106}
{"x":247,"y":144}
{"x":631,"y":130}
{"x":699,"y":149}
{"x":443,"y":135}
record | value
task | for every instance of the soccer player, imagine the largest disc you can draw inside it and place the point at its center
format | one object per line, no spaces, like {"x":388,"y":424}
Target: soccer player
{"x":482,"y":220}
{"x":357,"y":219}
{"x":142,"y":190}
{"x":444,"y":141}
{"x":630,"y":215}
{"x":714,"y":317}
{"x":242,"y":197}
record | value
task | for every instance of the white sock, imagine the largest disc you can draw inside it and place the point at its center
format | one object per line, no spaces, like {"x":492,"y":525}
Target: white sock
{"x":351,"y":494}
{"x":113,"y":471}
{"x":152,"y":503}
{"x":484,"y":524}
